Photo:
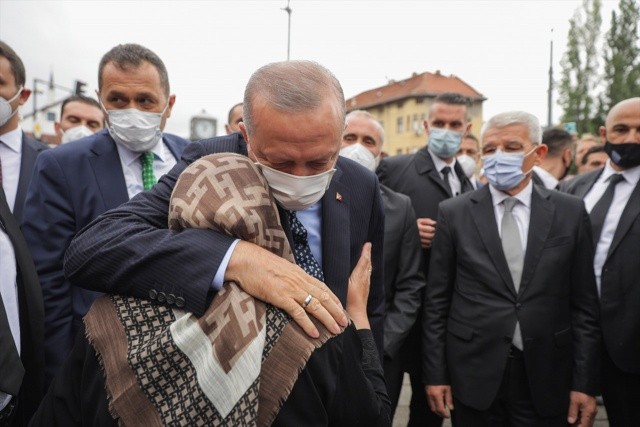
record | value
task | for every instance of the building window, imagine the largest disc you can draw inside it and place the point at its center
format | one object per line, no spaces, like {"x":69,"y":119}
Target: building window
{"x":400,"y":125}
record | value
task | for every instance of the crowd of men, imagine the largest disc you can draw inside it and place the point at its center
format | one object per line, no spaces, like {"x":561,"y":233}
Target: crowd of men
{"x":500,"y":271}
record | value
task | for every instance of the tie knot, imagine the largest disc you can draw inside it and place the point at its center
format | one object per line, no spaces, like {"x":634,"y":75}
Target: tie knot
{"x":509,"y":203}
{"x":446,"y":170}
{"x":297,"y":229}
{"x":615,"y":179}
{"x":147,"y":158}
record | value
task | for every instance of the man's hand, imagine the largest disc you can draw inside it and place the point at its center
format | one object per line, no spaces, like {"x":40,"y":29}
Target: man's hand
{"x":358,"y":293}
{"x":274,"y":280}
{"x":440,"y":399}
{"x":426,"y":229}
{"x":582,"y":409}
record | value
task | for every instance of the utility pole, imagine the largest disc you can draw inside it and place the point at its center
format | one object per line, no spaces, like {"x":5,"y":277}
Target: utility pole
{"x":550,"y":94}
{"x":288,"y":10}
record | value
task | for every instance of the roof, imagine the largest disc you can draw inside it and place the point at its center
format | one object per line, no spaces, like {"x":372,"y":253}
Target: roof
{"x":418,"y":85}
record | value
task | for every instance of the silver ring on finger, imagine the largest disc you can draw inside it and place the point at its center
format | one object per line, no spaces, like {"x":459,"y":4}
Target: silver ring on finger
{"x":307,"y":301}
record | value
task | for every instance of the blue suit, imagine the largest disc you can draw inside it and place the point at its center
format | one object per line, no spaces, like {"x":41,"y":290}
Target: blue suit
{"x":71,"y":185}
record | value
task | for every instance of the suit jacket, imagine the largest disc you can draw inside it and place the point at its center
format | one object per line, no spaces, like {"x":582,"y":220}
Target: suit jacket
{"x":71,"y":185}
{"x":25,"y":372}
{"x":416,"y":176}
{"x":404,"y":279}
{"x":619,"y":290}
{"x":352,"y":215}
{"x":471,"y":307}
{"x":30,"y":150}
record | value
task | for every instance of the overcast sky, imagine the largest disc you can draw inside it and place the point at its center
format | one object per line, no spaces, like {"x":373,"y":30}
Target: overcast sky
{"x":501,"y":48}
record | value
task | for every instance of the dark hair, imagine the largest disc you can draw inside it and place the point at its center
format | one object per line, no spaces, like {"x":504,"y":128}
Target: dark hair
{"x":126,"y":56}
{"x":590,"y":151}
{"x":557,"y":140}
{"x":17,"y":67}
{"x":231,"y":111}
{"x":451,"y":98}
{"x":79,"y":98}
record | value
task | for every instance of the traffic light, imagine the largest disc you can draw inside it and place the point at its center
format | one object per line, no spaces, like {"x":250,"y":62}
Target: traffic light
{"x":80,"y":87}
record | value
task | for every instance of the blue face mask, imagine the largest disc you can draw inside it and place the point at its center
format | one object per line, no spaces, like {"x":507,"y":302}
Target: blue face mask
{"x":444,"y":143}
{"x":504,"y":170}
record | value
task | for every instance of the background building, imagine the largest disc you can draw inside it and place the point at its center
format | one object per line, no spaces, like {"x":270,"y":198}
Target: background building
{"x":402,"y":107}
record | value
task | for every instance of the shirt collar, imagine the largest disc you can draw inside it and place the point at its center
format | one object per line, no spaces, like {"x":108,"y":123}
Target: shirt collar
{"x":549,"y":180}
{"x":13,"y":139}
{"x":631,"y":175}
{"x":439,"y":163}
{"x":128,"y":156}
{"x":523,"y":196}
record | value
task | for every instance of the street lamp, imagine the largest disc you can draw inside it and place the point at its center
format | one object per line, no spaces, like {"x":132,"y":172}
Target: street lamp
{"x":288,"y":10}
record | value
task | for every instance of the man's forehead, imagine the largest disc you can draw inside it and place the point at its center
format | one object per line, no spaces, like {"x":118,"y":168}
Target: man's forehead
{"x":448,"y":111}
{"x":627,"y":111}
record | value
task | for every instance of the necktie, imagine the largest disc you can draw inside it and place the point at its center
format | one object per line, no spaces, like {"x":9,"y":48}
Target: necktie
{"x":148,"y":178}
{"x":301,"y":249}
{"x":600,"y":209}
{"x":445,"y":177}
{"x":513,"y":252}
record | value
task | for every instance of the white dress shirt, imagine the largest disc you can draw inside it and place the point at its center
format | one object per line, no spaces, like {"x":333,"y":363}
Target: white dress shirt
{"x":454,"y":181}
{"x":8,"y":289}
{"x":163,"y":162}
{"x":550,"y":182}
{"x":621,"y":197}
{"x":521,"y":211}
{"x":11,"y":157}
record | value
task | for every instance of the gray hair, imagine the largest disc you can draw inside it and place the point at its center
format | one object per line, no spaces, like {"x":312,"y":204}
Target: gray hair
{"x":130,"y":56}
{"x":362,"y":114}
{"x":292,"y":87}
{"x":509,"y":118}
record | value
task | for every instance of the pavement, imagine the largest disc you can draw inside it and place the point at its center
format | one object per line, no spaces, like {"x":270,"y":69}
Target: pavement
{"x":401,"y":417}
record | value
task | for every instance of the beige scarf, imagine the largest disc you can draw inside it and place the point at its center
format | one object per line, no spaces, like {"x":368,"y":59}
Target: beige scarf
{"x":237,"y":363}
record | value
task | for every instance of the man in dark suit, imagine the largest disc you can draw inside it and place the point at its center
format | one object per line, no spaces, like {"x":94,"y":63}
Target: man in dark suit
{"x":511,"y":314}
{"x":612,"y":198}
{"x":404,"y":280}
{"x":78,"y":181}
{"x":555,"y":165}
{"x":428,"y":177}
{"x":21,"y":325}
{"x":18,"y":152}
{"x":293,"y":122}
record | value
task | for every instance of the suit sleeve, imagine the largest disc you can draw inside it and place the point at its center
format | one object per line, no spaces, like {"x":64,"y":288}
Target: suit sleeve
{"x":48,"y":226}
{"x":376,"y":301}
{"x":440,"y":283}
{"x":585,"y":314}
{"x":130,"y":251}
{"x":408,"y":284}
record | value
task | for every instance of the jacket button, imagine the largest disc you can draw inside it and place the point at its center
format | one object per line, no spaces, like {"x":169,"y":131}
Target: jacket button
{"x":180,"y":302}
{"x":162,"y":297}
{"x":171,"y":298}
{"x":153,"y":294}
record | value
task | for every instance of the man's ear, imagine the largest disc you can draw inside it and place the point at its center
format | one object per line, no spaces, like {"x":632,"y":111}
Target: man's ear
{"x":567,"y":157}
{"x":172,"y":100}
{"x":603,"y":134}
{"x":541,"y":153}
{"x":56,"y":127}
{"x":24,"y":95}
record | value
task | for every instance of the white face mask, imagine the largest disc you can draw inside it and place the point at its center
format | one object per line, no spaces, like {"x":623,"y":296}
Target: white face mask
{"x":76,"y":133}
{"x":294,"y":192}
{"x":6,"y":112}
{"x":139,"y":131}
{"x":467,"y":164}
{"x":359,"y":154}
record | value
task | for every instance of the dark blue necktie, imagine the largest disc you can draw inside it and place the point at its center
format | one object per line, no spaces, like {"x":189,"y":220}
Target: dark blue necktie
{"x":301,"y":249}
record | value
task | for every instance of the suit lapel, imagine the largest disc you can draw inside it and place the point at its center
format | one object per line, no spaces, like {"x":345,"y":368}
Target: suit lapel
{"x":584,"y":186}
{"x":542,"y":212}
{"x":485,"y":219}
{"x":27,"y":160}
{"x":108,"y":171}
{"x":424,"y":166}
{"x":335,"y":237}
{"x":629,"y":215}
{"x":174,"y":146}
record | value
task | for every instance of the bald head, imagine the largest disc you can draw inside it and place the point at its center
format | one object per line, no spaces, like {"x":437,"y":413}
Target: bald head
{"x":629,"y":106}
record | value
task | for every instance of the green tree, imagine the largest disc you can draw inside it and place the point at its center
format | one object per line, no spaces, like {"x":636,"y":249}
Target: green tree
{"x":622,"y":54}
{"x":580,"y":75}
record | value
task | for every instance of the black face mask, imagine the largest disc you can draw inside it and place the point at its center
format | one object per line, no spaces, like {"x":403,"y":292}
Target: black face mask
{"x":626,"y":155}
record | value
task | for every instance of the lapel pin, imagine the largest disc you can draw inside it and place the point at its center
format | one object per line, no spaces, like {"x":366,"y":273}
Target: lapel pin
{"x":338,"y":197}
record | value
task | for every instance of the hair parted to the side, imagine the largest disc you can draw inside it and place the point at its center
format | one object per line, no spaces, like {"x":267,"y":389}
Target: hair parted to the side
{"x":362,"y":114}
{"x":17,"y":66}
{"x":556,"y":140}
{"x":510,"y":118}
{"x":79,"y":98}
{"x":131,"y":55}
{"x":292,"y":87}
